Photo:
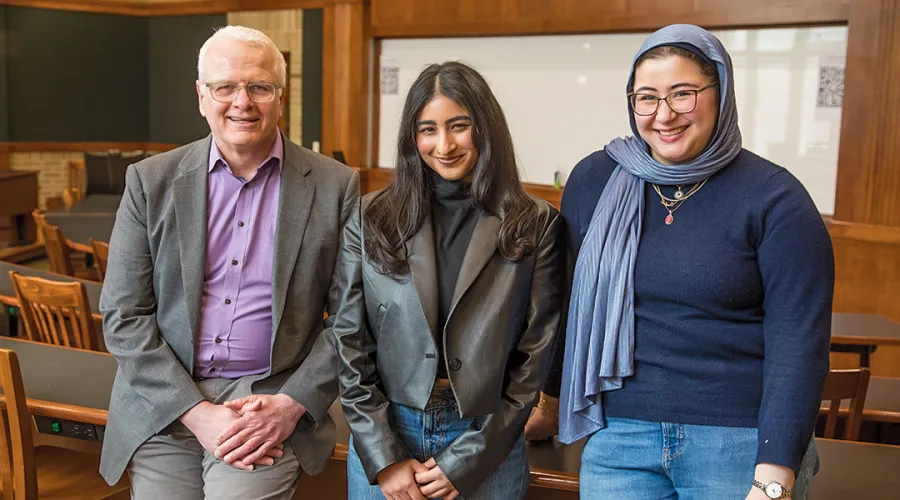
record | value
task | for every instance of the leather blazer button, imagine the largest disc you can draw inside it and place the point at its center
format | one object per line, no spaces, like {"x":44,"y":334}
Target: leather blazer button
{"x":455,"y":364}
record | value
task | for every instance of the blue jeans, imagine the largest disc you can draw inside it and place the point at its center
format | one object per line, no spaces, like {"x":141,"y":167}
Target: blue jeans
{"x":637,"y":460}
{"x":426,"y":434}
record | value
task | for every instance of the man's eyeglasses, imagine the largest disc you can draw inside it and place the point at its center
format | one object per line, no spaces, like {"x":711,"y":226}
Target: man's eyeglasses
{"x":228,"y":92}
{"x":681,"y":101}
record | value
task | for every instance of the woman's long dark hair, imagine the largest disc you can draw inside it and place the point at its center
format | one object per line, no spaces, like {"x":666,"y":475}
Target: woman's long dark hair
{"x":397,"y":213}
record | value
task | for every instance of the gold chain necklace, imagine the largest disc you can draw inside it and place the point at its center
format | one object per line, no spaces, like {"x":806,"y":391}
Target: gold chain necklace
{"x":672,"y":205}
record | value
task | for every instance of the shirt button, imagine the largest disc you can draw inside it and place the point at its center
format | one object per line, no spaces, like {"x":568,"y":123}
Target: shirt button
{"x":240,"y":223}
{"x":455,"y":364}
{"x":218,"y":340}
{"x":233,"y":262}
{"x":228,"y":301}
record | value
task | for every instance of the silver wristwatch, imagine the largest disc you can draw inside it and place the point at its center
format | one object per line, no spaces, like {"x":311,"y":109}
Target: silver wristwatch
{"x":773,"y":489}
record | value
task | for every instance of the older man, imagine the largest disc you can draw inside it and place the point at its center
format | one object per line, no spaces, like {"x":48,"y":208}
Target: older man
{"x":219,"y":271}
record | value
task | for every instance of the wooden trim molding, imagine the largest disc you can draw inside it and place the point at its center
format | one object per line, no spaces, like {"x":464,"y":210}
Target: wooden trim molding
{"x":553,"y":480}
{"x":149,"y":8}
{"x":25,"y":147}
{"x":864,"y":232}
{"x":437,"y":18}
{"x":373,"y":179}
{"x":93,"y":6}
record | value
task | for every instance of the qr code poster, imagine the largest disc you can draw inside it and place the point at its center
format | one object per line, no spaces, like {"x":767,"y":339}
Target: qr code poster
{"x":831,"y":86}
{"x":390,"y":79}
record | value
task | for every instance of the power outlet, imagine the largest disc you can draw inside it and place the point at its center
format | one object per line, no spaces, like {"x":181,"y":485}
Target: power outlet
{"x":69,"y":428}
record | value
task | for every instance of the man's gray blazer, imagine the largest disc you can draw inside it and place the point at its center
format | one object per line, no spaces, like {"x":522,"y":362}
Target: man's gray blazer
{"x":152,"y":293}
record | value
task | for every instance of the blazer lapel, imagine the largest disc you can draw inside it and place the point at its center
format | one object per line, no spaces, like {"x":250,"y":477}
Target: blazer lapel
{"x":422,"y":267}
{"x":481,"y":248}
{"x":190,"y":191}
{"x":295,"y":202}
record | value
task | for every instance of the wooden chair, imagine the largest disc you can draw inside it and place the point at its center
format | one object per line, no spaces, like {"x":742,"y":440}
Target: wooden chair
{"x":101,"y":254}
{"x":846,"y":384}
{"x":55,"y":312}
{"x":29,"y":471}
{"x":60,"y":251}
{"x":71,"y":195}
{"x":75,"y":171}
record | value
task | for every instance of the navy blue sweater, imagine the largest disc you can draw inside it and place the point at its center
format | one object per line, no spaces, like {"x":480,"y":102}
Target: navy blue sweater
{"x":732,"y":303}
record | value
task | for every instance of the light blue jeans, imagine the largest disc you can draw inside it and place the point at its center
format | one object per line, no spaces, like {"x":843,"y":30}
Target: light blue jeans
{"x":425,"y":434}
{"x":637,"y":460}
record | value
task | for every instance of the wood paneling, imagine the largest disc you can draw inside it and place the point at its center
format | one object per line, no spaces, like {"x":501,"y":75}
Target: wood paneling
{"x":868,"y":188}
{"x":373,"y":179}
{"x":864,"y":232}
{"x":138,"y":8}
{"x":412,"y":18}
{"x":24,"y":147}
{"x":345,"y":69}
{"x":218,"y":6}
{"x":867,"y":280}
{"x":96,"y":6}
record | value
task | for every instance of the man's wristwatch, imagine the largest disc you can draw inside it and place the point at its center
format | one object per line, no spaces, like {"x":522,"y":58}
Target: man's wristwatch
{"x":773,"y":489}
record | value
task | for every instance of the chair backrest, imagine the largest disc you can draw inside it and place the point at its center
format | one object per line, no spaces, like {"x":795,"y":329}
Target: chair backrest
{"x":101,"y":254}
{"x":76,"y":173}
{"x":71,"y":196}
{"x":40,"y":220}
{"x":846,"y":384}
{"x":54,"y":244}
{"x":18,"y":472}
{"x":55,"y":312}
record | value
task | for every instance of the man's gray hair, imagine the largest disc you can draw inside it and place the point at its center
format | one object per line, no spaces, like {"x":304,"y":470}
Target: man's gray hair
{"x":248,"y":36}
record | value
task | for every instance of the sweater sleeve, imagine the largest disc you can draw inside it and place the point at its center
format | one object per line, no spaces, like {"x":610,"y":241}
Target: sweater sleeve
{"x":796,"y":262}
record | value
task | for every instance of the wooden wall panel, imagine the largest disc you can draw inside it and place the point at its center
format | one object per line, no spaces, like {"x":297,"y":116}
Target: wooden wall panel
{"x":373,"y":179}
{"x":37,"y":147}
{"x":867,"y":280}
{"x":869,"y":160}
{"x":409,"y":18}
{"x":345,"y":67}
{"x":173,"y":8}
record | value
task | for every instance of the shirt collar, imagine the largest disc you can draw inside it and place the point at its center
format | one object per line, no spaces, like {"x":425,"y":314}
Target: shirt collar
{"x":276,"y":152}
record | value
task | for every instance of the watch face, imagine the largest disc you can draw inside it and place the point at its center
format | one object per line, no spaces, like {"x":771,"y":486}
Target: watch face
{"x":774,"y":490}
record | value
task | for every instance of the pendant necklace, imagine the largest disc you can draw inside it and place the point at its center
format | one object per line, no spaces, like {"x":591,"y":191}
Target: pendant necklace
{"x":672,"y":205}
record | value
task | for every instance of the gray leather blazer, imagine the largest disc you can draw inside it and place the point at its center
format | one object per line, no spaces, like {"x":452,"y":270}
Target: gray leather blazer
{"x":498,"y":335}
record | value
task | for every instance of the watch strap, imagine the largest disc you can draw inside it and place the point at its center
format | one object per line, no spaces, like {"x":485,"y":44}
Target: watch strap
{"x":785,"y":492}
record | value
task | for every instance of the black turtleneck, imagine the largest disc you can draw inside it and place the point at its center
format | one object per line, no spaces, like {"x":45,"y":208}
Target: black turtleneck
{"x":453,"y":215}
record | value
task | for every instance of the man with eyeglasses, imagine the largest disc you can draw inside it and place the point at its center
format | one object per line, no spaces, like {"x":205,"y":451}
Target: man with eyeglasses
{"x":219,"y":272}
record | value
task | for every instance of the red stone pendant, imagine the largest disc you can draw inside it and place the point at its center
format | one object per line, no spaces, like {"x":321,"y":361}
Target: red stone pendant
{"x":669,"y":220}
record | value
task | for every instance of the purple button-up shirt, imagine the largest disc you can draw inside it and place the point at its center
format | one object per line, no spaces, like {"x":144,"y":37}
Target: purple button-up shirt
{"x":236,"y":312}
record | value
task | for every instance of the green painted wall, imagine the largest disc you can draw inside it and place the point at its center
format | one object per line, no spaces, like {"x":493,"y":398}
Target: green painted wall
{"x":75,"y":76}
{"x":174,"y":44}
{"x":312,"y":76}
{"x":4,"y":107}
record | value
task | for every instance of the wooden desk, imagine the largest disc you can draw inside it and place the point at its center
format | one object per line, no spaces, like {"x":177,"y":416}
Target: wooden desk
{"x":862,"y":334}
{"x":57,"y":393}
{"x":882,"y":401}
{"x":79,"y":228}
{"x":93,"y":204}
{"x":20,"y":198}
{"x":849,"y":470}
{"x":852,"y":470}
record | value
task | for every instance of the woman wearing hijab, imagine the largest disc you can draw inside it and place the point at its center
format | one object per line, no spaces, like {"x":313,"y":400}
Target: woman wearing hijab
{"x":699,"y":321}
{"x":450,"y":301}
